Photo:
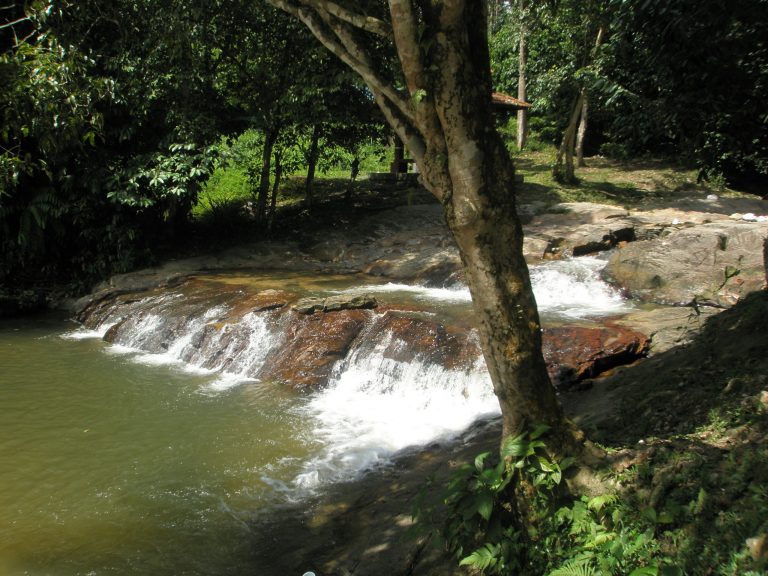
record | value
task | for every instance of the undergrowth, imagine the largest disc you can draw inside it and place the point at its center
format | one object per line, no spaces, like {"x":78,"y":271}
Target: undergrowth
{"x":562,"y":537}
{"x":664,"y":520}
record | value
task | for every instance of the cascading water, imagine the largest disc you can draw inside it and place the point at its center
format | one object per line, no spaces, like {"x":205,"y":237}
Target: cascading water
{"x":572,"y":289}
{"x":375,"y":402}
{"x":376,"y":405}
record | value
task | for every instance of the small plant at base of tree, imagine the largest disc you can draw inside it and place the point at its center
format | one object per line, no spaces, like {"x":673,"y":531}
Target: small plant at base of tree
{"x":587,"y":536}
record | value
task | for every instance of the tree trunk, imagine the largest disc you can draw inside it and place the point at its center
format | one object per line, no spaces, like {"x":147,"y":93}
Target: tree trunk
{"x":582,"y":133}
{"x":314,"y":153}
{"x":445,"y":119}
{"x":270,"y":137}
{"x":565,"y":172}
{"x":275,"y":186}
{"x":522,"y":114}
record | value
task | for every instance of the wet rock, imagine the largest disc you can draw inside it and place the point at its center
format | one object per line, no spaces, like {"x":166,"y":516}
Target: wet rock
{"x":410,"y":337}
{"x":263,"y":301}
{"x":576,"y":353}
{"x":312,"y":344}
{"x":334,"y":303}
{"x":715,"y":263}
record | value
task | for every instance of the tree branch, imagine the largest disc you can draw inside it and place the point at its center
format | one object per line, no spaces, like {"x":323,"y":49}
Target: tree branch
{"x":365,"y":66}
{"x":362,"y":21}
{"x":12,"y":24}
{"x":406,"y":35}
{"x":335,"y":37}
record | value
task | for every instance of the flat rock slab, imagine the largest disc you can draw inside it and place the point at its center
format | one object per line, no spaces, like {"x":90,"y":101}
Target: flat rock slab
{"x":334,"y":304}
{"x":716,"y":263}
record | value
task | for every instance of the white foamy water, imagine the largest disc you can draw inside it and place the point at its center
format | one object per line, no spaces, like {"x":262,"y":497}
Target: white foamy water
{"x":197,"y":344}
{"x":573,"y":289}
{"x":424,"y":293}
{"x":83,"y":333}
{"x":375,"y":406}
{"x":563,"y":289}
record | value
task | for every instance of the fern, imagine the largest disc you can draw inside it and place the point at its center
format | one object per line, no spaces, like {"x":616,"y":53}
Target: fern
{"x":575,"y":568}
{"x":483,"y":558}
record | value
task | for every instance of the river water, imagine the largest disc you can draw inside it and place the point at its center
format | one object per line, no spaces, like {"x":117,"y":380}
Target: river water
{"x":114,"y":461}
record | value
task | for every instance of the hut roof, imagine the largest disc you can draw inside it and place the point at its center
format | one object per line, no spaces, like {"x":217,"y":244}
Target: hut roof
{"x":501,"y":100}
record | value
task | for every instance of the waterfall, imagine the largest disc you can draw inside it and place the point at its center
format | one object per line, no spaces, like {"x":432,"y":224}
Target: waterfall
{"x":376,"y":405}
{"x":404,"y":380}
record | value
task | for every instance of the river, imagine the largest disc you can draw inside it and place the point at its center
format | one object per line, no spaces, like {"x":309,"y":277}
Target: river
{"x":115,"y":461}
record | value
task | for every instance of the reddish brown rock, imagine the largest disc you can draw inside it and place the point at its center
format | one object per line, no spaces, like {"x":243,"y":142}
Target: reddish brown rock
{"x":312,"y":344}
{"x":576,"y":353}
{"x":417,"y":338}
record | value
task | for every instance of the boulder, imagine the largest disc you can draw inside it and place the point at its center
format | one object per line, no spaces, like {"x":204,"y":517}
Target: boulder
{"x":576,"y":229}
{"x":312,"y":344}
{"x":575,"y":353}
{"x":715,"y":263}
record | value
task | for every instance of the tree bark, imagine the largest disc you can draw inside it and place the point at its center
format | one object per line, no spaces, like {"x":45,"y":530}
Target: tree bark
{"x":564,"y":171}
{"x":314,"y":153}
{"x":522,"y":89}
{"x":275,"y":186}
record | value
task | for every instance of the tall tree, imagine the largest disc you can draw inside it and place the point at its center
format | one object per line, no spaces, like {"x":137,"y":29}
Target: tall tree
{"x":438,"y":100}
{"x":522,"y":80}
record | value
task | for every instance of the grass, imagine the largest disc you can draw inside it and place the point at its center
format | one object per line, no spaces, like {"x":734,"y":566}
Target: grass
{"x":633,"y":183}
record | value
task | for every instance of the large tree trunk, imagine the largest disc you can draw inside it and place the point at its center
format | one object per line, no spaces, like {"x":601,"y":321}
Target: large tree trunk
{"x":446,"y":121}
{"x":314,"y":153}
{"x":522,"y":114}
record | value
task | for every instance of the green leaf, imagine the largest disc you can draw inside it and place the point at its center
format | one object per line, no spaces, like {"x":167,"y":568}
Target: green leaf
{"x":482,"y":558}
{"x":419,"y":95}
{"x":480,"y":460}
{"x":485,"y":505}
{"x":538,"y":431}
{"x":514,"y":447}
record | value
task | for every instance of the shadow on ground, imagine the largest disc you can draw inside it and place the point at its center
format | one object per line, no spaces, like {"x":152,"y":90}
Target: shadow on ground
{"x":364,"y":527}
{"x":713,"y":381}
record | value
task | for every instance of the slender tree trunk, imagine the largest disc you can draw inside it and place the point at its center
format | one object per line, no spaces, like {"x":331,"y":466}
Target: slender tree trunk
{"x":564,"y":172}
{"x":275,"y":186}
{"x":522,"y":89}
{"x":314,"y":153}
{"x":270,"y":137}
{"x":582,"y":133}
